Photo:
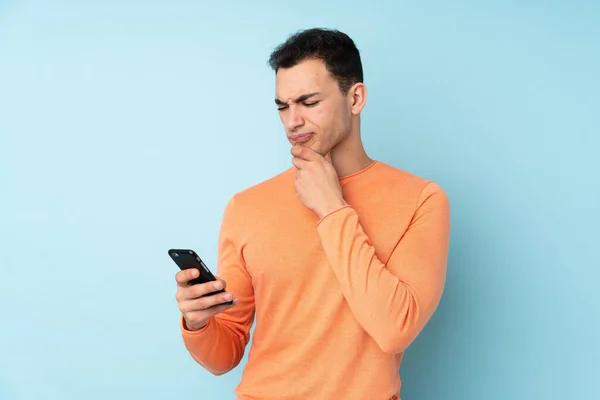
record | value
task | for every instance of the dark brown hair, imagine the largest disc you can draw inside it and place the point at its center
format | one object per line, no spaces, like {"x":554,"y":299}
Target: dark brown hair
{"x":336,"y":49}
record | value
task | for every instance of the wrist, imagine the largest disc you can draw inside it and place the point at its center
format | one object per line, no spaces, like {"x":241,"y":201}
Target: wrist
{"x":332,"y":207}
{"x":193,"y":327}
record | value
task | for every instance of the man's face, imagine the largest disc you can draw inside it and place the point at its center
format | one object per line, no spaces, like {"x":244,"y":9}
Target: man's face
{"x":311,"y":105}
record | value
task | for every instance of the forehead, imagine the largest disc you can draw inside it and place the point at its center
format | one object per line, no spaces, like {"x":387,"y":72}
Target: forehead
{"x":306,"y":77}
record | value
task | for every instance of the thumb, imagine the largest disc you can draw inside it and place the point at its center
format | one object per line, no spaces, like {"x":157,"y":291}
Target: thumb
{"x":328,"y":156}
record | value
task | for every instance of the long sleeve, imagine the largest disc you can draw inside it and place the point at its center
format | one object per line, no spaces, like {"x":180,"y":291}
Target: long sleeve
{"x":219,"y":346}
{"x":391,"y":301}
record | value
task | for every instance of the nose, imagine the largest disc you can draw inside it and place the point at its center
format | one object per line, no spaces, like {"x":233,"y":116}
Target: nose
{"x":294,"y":118}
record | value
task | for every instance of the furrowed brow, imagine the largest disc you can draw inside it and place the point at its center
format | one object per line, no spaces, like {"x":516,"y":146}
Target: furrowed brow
{"x":299,"y":99}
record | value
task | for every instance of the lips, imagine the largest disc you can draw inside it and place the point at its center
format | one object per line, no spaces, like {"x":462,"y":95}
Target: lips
{"x":301,"y":137}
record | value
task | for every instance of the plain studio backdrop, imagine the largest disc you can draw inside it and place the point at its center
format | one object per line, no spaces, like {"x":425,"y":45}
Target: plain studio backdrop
{"x":126,"y":126}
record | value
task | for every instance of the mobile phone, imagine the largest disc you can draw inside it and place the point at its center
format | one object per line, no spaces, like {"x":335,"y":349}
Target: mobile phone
{"x":186,"y":259}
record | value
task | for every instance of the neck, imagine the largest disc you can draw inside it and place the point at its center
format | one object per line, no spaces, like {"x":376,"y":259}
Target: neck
{"x":349,"y":156}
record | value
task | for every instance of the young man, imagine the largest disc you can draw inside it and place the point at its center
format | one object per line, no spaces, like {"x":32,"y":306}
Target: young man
{"x":341,"y":259}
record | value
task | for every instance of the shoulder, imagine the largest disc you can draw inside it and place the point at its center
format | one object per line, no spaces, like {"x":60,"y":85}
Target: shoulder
{"x":400,"y":183}
{"x":402,"y":179}
{"x":262,"y":193}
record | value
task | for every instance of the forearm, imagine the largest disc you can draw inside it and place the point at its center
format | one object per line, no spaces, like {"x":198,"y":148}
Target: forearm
{"x":392,"y":302}
{"x":219,"y":346}
{"x":216,"y":347}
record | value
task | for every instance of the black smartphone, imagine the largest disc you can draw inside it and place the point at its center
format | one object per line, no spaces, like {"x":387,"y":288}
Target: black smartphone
{"x":186,"y":259}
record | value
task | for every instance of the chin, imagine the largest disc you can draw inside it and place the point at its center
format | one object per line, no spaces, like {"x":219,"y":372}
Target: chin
{"x":318,"y":149}
{"x":313,"y":144}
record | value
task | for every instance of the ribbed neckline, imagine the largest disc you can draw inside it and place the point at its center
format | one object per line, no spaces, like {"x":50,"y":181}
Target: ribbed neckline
{"x":359,"y":172}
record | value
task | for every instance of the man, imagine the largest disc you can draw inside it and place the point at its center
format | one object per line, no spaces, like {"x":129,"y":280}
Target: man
{"x":341,"y":259}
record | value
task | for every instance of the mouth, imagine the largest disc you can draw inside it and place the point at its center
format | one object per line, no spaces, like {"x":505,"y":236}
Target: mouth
{"x":301,"y":137}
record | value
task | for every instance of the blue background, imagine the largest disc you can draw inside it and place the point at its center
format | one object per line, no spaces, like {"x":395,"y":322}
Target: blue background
{"x":126,"y":126}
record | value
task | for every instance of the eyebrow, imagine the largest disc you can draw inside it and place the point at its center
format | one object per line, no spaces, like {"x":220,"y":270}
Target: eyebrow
{"x":299,"y":98}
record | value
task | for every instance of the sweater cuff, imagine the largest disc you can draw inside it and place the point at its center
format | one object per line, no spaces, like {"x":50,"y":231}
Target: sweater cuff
{"x":337,"y":210}
{"x":187,"y":332}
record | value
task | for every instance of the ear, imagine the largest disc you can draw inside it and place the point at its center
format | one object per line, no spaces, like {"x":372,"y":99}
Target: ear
{"x":357,"y":95}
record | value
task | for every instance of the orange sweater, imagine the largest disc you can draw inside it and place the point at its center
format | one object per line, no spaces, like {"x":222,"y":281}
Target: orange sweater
{"x":336,"y":300}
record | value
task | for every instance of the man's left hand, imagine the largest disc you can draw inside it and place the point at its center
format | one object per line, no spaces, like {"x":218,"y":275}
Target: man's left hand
{"x":317,"y":184}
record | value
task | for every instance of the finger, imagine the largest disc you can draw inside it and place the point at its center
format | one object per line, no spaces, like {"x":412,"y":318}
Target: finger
{"x":222,"y":307}
{"x":183,"y":277}
{"x":201,"y":289}
{"x":205,"y":302}
{"x":223,"y":283}
{"x":190,"y":292}
{"x":212,"y":311}
{"x":328,"y":157}
{"x":305,"y":153}
{"x":299,"y":163}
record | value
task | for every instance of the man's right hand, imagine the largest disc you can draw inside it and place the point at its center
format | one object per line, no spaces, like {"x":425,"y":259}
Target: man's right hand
{"x":198,"y":310}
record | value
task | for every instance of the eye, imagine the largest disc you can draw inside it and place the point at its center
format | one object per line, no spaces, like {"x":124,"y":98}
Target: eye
{"x":311,"y":104}
{"x":282,"y":108}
